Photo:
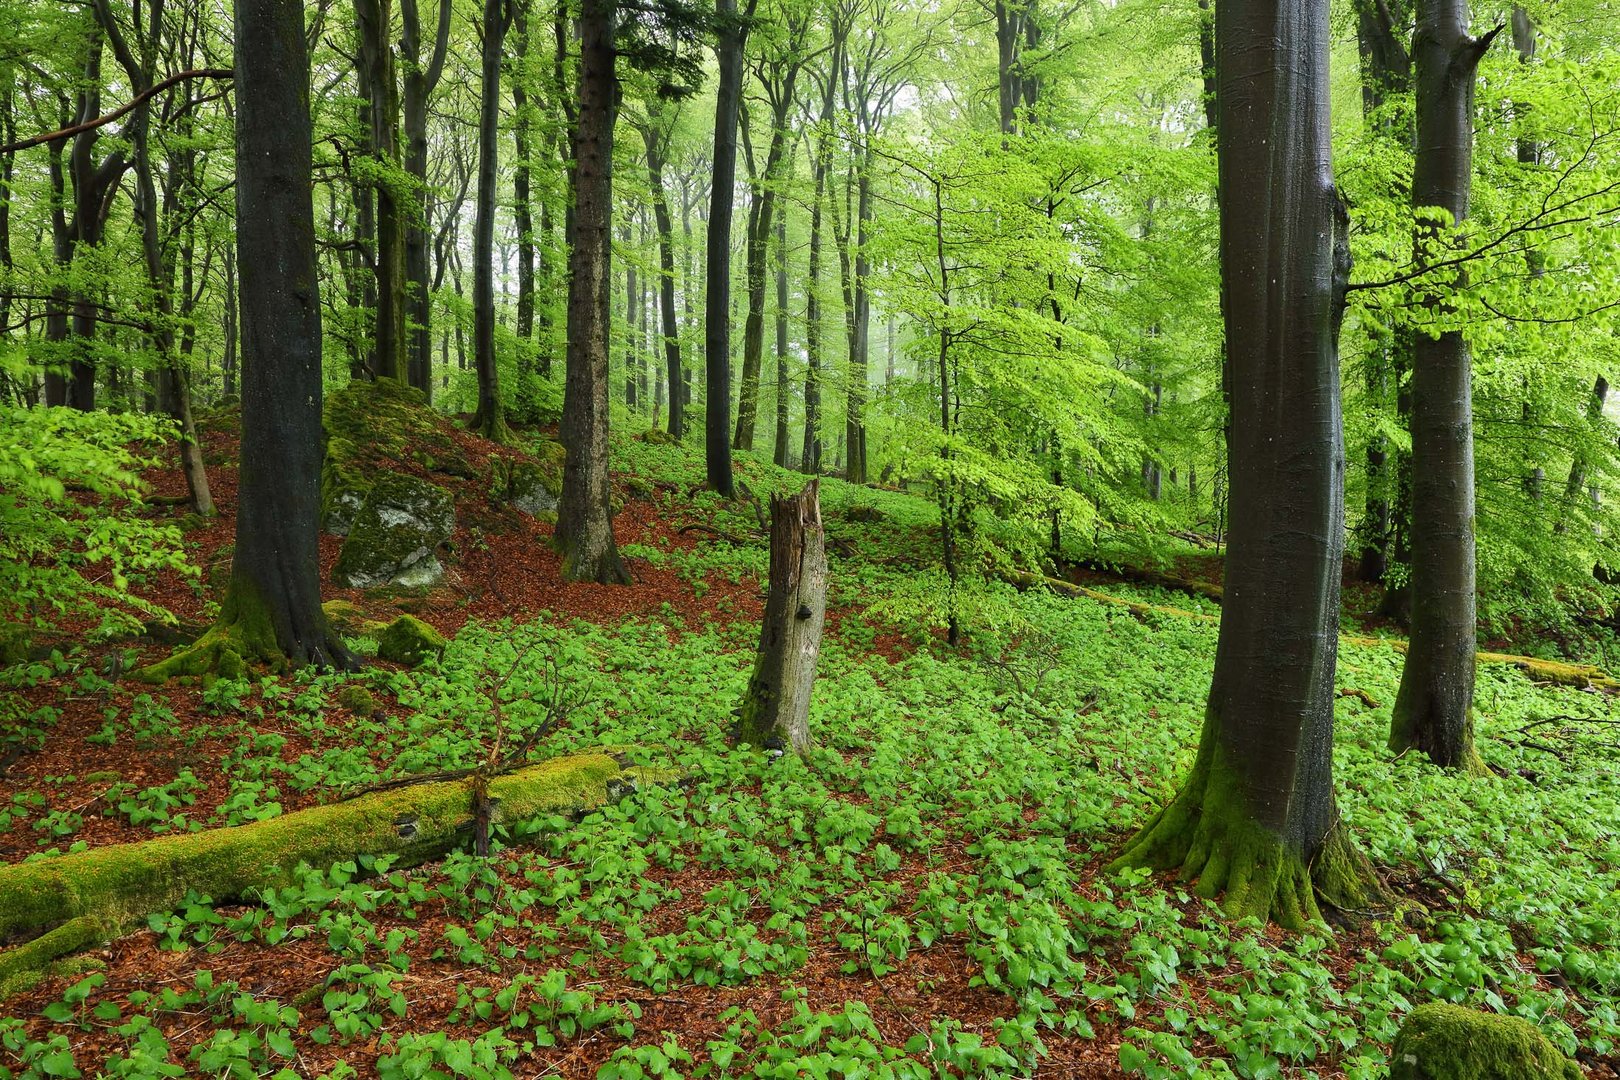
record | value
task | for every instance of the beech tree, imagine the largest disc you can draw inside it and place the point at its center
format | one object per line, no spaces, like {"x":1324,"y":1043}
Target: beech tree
{"x":1255,"y":821}
{"x":272,"y":606}
{"x":1433,"y":710}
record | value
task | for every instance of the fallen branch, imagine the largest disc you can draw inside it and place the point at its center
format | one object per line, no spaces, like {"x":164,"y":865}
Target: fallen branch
{"x":77,"y":900}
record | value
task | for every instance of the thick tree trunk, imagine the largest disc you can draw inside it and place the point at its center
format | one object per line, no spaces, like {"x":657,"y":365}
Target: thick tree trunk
{"x":775,"y":714}
{"x":732,"y":34}
{"x":584,"y":519}
{"x":272,"y":606}
{"x":490,"y":419}
{"x":1434,"y":707}
{"x":421,"y":78}
{"x":1255,"y":822}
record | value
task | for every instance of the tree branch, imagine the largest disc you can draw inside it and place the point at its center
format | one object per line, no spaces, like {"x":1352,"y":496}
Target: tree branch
{"x":107,"y":118}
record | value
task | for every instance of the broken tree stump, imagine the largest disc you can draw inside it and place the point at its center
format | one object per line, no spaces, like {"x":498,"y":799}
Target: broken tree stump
{"x":775,"y":714}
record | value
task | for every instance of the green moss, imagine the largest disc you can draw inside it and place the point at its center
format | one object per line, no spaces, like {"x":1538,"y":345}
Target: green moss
{"x":358,"y":700}
{"x":117,"y":885}
{"x":244,"y":634}
{"x":657,"y":437}
{"x":1209,"y":836}
{"x":368,"y":426}
{"x":533,"y":487}
{"x":33,"y":956}
{"x":409,"y":640}
{"x":345,"y":617}
{"x":15,"y":642}
{"x":395,"y":537}
{"x":1448,"y":1042}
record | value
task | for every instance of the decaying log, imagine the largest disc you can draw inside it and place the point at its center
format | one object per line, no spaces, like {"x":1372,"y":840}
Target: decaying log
{"x":78,"y":900}
{"x":775,"y":714}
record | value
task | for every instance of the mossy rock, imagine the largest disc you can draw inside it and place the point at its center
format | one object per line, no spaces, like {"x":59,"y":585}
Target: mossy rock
{"x":409,"y":640}
{"x":532,"y":487}
{"x":223,"y":419}
{"x":656,"y":437}
{"x":639,"y":488}
{"x":863,"y":513}
{"x":358,"y":700}
{"x":396,"y":536}
{"x":369,"y":425}
{"x":1448,"y":1042}
{"x":16,"y":641}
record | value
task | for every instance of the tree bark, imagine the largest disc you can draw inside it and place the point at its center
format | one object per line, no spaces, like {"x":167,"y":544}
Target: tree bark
{"x":584,"y":519}
{"x":775,"y":714}
{"x":1433,"y":709}
{"x":654,"y":138}
{"x":490,"y":419}
{"x":376,"y":59}
{"x":272,"y":606}
{"x":783,"y":386}
{"x":421,"y":79}
{"x":1255,"y":821}
{"x":731,"y":36}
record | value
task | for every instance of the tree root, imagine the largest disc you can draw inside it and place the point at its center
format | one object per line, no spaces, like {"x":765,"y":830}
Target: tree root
{"x":78,"y":900}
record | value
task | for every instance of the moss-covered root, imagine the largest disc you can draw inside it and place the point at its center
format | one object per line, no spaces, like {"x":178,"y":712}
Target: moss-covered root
{"x":1448,"y":1042}
{"x":245,"y":634}
{"x":1208,"y":836}
{"x":20,"y":966}
{"x":71,"y":900}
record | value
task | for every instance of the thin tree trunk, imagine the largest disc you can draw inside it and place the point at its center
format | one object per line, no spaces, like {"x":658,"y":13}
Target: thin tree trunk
{"x":1434,"y":707}
{"x":490,"y":419}
{"x":584,"y":531}
{"x":783,"y":385}
{"x":376,"y":58}
{"x":421,"y":79}
{"x":654,"y":141}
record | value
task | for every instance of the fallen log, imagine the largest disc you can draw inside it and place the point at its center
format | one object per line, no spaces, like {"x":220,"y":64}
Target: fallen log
{"x":71,"y":902}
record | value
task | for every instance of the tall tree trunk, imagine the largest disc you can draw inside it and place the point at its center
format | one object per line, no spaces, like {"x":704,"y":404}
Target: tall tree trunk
{"x":94,"y":186}
{"x":522,"y":197}
{"x":860,"y":335}
{"x":272,"y":606}
{"x":654,"y":140}
{"x":732,"y":34}
{"x":1255,"y":821}
{"x":1434,"y":707}
{"x":420,"y":81}
{"x":810,"y":456}
{"x":490,"y":420}
{"x":784,"y":393}
{"x":584,"y":519}
{"x":376,"y":58}
{"x":56,"y":309}
{"x":228,"y":362}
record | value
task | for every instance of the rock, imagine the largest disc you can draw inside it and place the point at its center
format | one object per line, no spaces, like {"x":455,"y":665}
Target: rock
{"x":409,"y":640}
{"x":15,"y":642}
{"x":655,"y":437}
{"x":532,"y":487}
{"x":358,"y":700}
{"x":1448,"y":1042}
{"x":370,"y":424}
{"x":395,"y":538}
{"x":639,"y":488}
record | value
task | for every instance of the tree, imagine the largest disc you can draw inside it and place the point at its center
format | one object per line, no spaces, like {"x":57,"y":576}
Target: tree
{"x":1255,"y":820}
{"x":655,"y":131}
{"x":272,"y":606}
{"x":584,"y":519}
{"x":490,"y":419}
{"x":732,"y":33}
{"x":1433,"y":709}
{"x":420,"y":81}
{"x":379,"y":87}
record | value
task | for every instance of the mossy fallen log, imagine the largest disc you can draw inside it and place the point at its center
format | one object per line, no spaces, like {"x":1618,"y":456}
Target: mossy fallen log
{"x":53,"y":906}
{"x":1557,"y":672}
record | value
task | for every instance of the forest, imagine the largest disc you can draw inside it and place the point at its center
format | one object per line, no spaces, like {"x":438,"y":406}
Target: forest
{"x":887,"y":539}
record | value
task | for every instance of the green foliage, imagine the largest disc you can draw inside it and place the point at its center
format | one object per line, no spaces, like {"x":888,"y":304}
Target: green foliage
{"x":73,"y":542}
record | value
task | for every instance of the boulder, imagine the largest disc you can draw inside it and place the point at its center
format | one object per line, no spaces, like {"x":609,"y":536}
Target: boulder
{"x":369,"y":425}
{"x":531,"y":487}
{"x":395,"y":537}
{"x":1448,"y":1042}
{"x":408,"y":640}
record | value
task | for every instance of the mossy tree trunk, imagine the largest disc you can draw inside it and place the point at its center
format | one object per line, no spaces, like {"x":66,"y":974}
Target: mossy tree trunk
{"x":1434,"y":708}
{"x":1255,"y":822}
{"x":584,"y":517}
{"x":81,"y":898}
{"x":775,"y":714}
{"x":272,"y":607}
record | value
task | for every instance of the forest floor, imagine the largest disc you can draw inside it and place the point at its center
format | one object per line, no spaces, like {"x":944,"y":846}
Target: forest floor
{"x":927,"y":895}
